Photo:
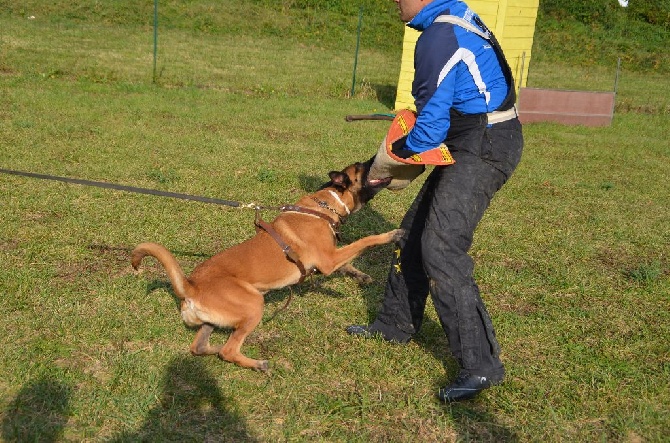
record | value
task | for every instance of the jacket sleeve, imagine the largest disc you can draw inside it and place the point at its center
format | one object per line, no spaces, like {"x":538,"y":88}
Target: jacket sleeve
{"x":436,"y":57}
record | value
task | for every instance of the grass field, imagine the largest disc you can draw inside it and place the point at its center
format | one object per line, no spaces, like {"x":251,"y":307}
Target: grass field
{"x":573,"y":256}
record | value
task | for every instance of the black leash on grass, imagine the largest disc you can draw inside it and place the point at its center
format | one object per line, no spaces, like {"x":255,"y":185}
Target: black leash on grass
{"x":136,"y":190}
{"x":156,"y":192}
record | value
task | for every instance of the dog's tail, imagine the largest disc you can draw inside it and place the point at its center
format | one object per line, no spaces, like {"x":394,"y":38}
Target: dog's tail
{"x":180,"y":284}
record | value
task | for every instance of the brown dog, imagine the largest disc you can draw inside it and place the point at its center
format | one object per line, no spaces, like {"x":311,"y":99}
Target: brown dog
{"x":227,"y":290}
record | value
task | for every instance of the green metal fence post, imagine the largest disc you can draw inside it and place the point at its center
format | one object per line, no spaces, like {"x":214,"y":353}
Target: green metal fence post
{"x":155,"y":37}
{"x":358,"y":44}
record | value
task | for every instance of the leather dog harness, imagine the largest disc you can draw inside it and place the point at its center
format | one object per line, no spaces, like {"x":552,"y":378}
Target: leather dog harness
{"x":285,"y":247}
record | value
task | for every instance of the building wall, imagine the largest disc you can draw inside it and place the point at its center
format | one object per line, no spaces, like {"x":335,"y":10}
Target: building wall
{"x":512,"y":22}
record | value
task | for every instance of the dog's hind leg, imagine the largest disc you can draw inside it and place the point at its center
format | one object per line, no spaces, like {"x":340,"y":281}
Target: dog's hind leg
{"x":250,"y":318}
{"x":351,"y":271}
{"x":200,"y":345}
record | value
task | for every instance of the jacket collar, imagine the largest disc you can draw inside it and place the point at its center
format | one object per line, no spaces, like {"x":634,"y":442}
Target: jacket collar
{"x":427,"y":15}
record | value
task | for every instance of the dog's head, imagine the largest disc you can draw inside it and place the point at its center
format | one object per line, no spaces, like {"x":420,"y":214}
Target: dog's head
{"x":354,"y":180}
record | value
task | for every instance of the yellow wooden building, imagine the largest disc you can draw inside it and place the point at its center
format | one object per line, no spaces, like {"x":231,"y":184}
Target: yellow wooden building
{"x":512,"y":22}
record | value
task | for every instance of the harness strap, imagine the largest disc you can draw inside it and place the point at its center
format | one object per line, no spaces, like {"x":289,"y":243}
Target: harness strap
{"x":286,"y":248}
{"x":334,"y":224}
{"x":486,"y":34}
{"x":463,"y":23}
{"x":290,"y":255}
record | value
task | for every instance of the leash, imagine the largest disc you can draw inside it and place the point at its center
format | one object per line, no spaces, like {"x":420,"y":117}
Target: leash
{"x":134,"y":189}
{"x":280,"y":309}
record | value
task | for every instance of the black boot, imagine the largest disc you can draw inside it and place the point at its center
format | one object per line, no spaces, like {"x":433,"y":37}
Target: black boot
{"x":466,"y":386}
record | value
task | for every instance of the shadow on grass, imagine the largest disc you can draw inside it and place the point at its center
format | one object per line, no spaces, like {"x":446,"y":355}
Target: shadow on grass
{"x":477,"y":425}
{"x":311,"y":183}
{"x":191,"y":408}
{"x":39,"y":412}
{"x":386,"y":94}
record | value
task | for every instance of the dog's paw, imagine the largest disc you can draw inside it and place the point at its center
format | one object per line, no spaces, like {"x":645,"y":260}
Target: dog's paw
{"x":363,"y":279}
{"x":397,"y":234}
{"x":263,"y":366}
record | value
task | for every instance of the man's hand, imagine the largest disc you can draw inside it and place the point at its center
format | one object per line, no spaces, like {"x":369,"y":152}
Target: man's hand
{"x":384,"y":166}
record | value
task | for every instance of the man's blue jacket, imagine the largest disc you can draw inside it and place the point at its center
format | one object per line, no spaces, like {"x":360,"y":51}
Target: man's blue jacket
{"x":454,"y":68}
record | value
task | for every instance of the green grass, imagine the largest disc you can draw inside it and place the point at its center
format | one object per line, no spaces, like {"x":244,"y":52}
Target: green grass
{"x":572,"y":256}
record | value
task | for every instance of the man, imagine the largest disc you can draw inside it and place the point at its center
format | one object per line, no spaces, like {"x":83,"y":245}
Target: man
{"x":464,"y":95}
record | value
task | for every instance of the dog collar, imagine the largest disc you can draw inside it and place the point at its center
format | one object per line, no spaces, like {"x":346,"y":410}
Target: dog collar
{"x":339,"y":200}
{"x":325,"y":205}
{"x":301,"y":209}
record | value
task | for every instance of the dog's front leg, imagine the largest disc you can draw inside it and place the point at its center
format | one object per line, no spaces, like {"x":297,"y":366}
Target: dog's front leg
{"x":341,"y":256}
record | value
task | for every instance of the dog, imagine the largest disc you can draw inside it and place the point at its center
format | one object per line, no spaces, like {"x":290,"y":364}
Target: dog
{"x":226,"y":291}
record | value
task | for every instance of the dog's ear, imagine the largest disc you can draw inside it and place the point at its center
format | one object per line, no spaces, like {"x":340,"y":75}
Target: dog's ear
{"x":339,"y":179}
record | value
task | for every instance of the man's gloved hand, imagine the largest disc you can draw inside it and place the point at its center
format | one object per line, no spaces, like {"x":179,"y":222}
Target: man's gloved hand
{"x":384,"y":166}
{"x":394,"y":161}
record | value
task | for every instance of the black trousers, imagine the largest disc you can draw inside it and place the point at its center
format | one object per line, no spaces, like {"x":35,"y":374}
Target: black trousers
{"x":433,"y":257}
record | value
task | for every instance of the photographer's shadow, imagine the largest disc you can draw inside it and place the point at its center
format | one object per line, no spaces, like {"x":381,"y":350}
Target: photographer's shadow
{"x":191,"y":408}
{"x":39,"y":412}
